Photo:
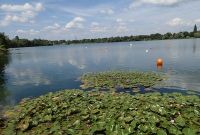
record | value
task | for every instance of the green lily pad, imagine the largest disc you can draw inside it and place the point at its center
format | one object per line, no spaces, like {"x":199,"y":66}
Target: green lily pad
{"x":180,"y":121}
{"x":128,"y":119}
{"x":161,"y":132}
{"x":122,"y":79}
{"x":189,"y":131}
{"x":79,"y":112}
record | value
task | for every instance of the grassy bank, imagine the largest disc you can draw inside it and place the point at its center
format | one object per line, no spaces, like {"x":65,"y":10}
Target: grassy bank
{"x":78,"y":112}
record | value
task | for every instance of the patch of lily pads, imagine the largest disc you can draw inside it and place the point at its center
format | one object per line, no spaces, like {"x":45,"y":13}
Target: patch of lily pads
{"x":120,"y":80}
{"x":75,"y":112}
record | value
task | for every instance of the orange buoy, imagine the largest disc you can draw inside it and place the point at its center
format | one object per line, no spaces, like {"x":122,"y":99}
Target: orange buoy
{"x":159,"y":62}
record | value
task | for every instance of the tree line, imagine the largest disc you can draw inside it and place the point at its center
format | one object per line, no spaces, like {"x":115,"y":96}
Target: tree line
{"x":5,"y":42}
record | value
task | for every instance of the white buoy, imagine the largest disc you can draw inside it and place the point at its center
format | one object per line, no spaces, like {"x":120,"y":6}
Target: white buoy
{"x":147,"y":50}
{"x":86,"y":47}
{"x":131,"y":45}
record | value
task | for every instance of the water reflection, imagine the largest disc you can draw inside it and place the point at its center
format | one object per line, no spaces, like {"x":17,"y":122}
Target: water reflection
{"x":4,"y":59}
{"x":194,"y":45}
{"x":37,"y":70}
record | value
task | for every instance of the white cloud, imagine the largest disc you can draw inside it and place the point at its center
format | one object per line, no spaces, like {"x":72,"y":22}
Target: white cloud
{"x":77,"y":22}
{"x":30,"y":32}
{"x":77,"y":11}
{"x":33,"y":32}
{"x":119,"y":20}
{"x":94,"y":24}
{"x":138,"y":3}
{"x":197,"y":21}
{"x":16,"y":8}
{"x":20,"y":13}
{"x":121,"y":26}
{"x":39,"y":7}
{"x":96,"y":28}
{"x":162,"y":2}
{"x":107,"y":11}
{"x":20,"y":31}
{"x":180,"y":22}
{"x":55,"y":26}
{"x":176,"y":22}
{"x":21,"y":8}
{"x":54,"y":29}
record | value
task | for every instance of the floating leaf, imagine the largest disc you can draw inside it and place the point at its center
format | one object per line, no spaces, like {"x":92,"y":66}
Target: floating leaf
{"x":128,"y":119}
{"x":78,"y":112}
{"x":174,"y":130}
{"x":189,"y":131}
{"x":123,"y":79}
{"x":180,"y":121}
{"x":161,"y":132}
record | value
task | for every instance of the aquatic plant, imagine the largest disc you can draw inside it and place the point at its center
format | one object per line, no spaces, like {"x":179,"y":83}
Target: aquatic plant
{"x":120,"y":79}
{"x":77,"y":112}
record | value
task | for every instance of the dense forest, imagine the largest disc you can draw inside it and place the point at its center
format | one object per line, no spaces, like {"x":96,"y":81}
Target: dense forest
{"x":5,"y":42}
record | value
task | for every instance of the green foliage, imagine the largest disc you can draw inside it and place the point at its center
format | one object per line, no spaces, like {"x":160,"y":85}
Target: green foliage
{"x":197,"y":35}
{"x":156,"y":36}
{"x":167,"y":36}
{"x":3,"y":50}
{"x":78,"y":112}
{"x":4,"y":42}
{"x":4,"y":59}
{"x":16,"y":42}
{"x":189,"y":131}
{"x":119,"y":79}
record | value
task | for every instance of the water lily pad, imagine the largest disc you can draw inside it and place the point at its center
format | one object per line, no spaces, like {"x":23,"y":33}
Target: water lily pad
{"x":122,"y":79}
{"x":180,"y":121}
{"x":189,"y":131}
{"x":79,"y":112}
{"x":161,"y":132}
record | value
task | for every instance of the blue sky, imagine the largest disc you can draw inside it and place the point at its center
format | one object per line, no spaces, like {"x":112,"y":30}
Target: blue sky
{"x":77,"y":19}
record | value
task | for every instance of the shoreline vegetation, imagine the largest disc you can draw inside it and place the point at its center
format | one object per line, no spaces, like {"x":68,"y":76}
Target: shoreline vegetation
{"x":106,"y":112}
{"x":3,"y":50}
{"x":18,"y":42}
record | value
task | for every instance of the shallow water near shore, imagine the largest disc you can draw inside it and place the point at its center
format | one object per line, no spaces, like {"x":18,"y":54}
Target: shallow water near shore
{"x":34,"y":71}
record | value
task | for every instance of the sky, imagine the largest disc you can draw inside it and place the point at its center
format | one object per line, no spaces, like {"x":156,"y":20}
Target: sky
{"x":78,"y":19}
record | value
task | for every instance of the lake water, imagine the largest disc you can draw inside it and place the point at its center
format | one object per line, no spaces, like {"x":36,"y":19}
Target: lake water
{"x":33,"y":71}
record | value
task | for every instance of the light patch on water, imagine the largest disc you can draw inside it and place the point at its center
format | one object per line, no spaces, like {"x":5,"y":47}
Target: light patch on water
{"x":27,"y":77}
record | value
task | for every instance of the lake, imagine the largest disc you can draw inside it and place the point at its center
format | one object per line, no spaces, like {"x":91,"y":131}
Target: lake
{"x":33,"y":71}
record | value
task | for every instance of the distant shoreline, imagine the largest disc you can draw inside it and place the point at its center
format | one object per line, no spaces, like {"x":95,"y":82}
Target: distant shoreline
{"x":99,"y":43}
{"x":18,"y":42}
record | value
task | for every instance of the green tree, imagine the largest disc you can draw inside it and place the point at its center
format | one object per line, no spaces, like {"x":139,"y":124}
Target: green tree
{"x":4,"y":60}
{"x":167,"y":36}
{"x":3,"y":39}
{"x":16,"y":38}
{"x":197,"y":35}
{"x":4,"y":42}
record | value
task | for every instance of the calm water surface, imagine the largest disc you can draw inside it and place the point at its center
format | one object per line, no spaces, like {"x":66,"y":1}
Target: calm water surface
{"x":30,"y":72}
